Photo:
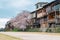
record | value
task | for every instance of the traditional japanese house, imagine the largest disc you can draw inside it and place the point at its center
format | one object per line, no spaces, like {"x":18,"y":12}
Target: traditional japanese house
{"x":53,"y":12}
{"x":33,"y":18}
{"x":41,"y":15}
{"x":38,"y":13}
{"x":47,"y":14}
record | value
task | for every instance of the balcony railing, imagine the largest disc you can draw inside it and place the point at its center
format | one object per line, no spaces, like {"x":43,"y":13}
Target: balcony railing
{"x":41,"y":15}
{"x":54,"y":20}
{"x":57,"y":20}
{"x":58,"y":16}
{"x":50,"y":11}
{"x":43,"y":21}
{"x":51,"y":20}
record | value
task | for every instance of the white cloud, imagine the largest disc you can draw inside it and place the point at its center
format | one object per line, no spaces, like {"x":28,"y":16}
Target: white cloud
{"x":3,"y":22}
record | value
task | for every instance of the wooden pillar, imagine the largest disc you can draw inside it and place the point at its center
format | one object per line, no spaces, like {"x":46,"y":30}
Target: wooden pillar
{"x":35,"y":18}
{"x":59,"y":10}
{"x":47,"y":20}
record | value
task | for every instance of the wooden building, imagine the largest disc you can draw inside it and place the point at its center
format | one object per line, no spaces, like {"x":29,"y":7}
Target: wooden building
{"x":46,"y":15}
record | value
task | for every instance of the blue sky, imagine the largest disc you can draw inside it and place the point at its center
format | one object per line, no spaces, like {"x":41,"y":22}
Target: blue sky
{"x":10,"y":8}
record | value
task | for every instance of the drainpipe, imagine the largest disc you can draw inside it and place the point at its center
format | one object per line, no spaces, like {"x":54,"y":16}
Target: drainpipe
{"x":55,"y":20}
{"x":36,"y":15}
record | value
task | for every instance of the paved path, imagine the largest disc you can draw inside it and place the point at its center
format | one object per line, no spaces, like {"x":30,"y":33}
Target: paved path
{"x":32,"y":36}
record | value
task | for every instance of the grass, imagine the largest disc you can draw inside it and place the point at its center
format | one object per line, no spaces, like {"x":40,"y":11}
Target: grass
{"x":6,"y":37}
{"x":33,"y":30}
{"x":57,"y":30}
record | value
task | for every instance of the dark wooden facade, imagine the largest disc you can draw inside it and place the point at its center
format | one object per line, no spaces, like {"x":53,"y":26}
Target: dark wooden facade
{"x":48,"y":15}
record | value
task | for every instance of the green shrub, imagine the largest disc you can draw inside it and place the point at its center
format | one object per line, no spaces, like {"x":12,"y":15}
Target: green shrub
{"x":54,"y":30}
{"x":15,"y":30}
{"x":33,"y":30}
{"x":57,"y":29}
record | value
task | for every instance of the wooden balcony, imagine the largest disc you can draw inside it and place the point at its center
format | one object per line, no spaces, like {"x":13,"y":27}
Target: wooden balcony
{"x":54,"y":20}
{"x":51,"y":20}
{"x":51,"y":11}
{"x":43,"y":21}
{"x":39,"y":15}
{"x":58,"y":16}
{"x":58,"y":20}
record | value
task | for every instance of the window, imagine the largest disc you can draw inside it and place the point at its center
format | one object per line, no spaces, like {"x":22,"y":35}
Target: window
{"x":38,"y":20}
{"x":48,"y":9}
{"x":33,"y":15}
{"x":45,"y":19}
{"x":57,"y":7}
{"x":38,"y":6}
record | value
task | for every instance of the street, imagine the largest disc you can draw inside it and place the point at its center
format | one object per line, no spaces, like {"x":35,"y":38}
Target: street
{"x":32,"y":36}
